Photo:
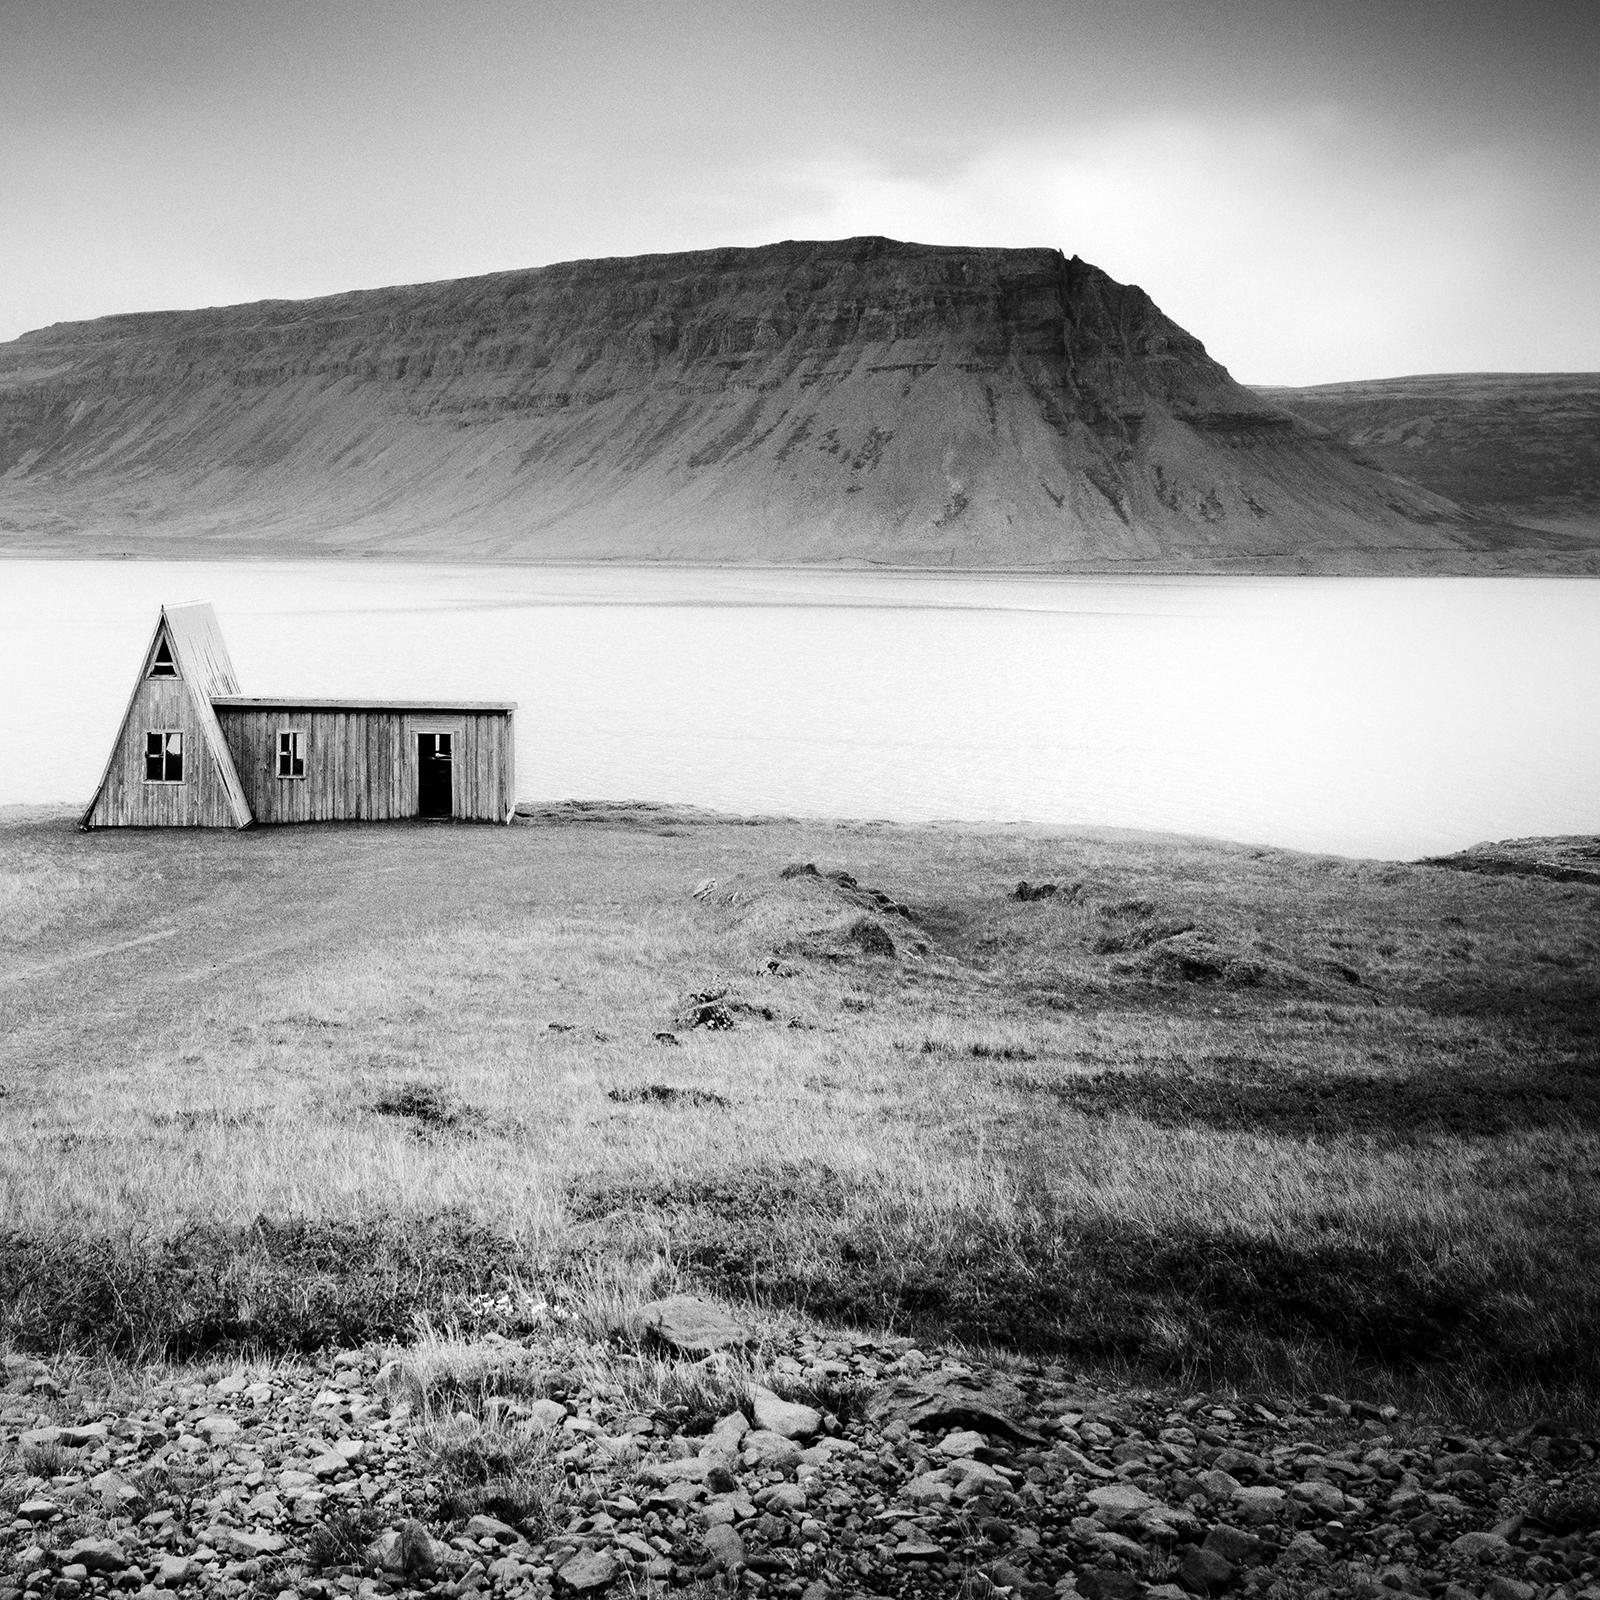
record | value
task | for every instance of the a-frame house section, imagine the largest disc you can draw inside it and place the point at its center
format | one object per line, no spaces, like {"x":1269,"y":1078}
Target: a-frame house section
{"x":170,"y":766}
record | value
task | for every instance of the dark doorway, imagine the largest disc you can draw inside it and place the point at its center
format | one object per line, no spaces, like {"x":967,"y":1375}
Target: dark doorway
{"x":434,"y":786}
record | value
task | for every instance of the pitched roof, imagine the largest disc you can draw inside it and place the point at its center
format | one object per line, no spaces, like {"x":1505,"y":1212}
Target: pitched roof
{"x":202,"y":655}
{"x":204,"y":664}
{"x":204,"y":670}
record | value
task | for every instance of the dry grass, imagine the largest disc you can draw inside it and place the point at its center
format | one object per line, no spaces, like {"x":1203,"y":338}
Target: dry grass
{"x":1213,"y":1107}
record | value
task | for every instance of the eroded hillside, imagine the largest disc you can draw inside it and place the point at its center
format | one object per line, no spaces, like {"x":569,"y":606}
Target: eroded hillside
{"x":855,"y":400}
{"x":1521,"y":445}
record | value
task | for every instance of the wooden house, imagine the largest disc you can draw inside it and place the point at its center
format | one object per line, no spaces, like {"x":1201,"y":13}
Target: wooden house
{"x":192,"y":752}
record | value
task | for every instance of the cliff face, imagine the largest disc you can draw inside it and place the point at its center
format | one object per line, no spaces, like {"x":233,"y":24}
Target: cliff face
{"x":861,"y":399}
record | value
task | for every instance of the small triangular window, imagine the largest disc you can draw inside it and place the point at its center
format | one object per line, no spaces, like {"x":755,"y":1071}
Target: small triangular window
{"x":163,"y":666}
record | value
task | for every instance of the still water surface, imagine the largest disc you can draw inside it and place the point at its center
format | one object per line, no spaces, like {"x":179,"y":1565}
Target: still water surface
{"x":1389,"y":717}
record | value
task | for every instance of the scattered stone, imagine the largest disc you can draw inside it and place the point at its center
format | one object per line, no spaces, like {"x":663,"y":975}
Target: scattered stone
{"x":763,"y":1449}
{"x":1018,"y":1482}
{"x":1119,"y":1502}
{"x":1259,"y":1502}
{"x":1204,"y":1570}
{"x":246,"y":1542}
{"x":481,"y":1527}
{"x":174,"y":1570}
{"x":1502,"y":1587}
{"x":588,"y":1572}
{"x":1241,"y":1548}
{"x":786,"y":1417}
{"x":724,"y":1546}
{"x":1479,"y":1547}
{"x":79,"y":1438}
{"x":408,"y":1551}
{"x":962,"y":1443}
{"x":543,"y":1416}
{"x":1103,"y":1584}
{"x":1323,"y":1495}
{"x":97,"y":1555}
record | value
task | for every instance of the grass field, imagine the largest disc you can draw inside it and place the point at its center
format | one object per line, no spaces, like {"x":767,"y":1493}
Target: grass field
{"x":1234,"y":1112}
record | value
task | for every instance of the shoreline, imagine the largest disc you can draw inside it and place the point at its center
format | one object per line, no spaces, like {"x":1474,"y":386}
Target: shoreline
{"x":1559,"y":858}
{"x":1288,"y":566}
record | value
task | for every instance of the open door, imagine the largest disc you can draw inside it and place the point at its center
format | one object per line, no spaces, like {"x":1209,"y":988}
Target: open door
{"x":435,"y":777}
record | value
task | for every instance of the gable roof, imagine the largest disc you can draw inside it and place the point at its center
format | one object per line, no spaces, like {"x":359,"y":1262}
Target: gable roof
{"x":202,"y":656}
{"x":205,"y":670}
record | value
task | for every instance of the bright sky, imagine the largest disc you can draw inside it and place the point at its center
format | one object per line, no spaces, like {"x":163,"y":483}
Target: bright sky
{"x":1319,"y":189}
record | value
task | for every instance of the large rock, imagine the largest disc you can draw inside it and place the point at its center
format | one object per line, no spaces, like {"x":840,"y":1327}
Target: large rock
{"x":943,"y":1400}
{"x":690,"y":1324}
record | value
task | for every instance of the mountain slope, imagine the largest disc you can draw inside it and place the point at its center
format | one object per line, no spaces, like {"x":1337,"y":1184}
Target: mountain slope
{"x":1525,"y":446}
{"x":854,"y":400}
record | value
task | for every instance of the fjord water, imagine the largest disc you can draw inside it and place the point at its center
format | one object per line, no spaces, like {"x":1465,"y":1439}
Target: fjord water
{"x":1387,"y":717}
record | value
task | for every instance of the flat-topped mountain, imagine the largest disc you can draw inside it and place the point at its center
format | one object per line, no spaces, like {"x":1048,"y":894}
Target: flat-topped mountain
{"x":1521,"y":445}
{"x":854,"y":400}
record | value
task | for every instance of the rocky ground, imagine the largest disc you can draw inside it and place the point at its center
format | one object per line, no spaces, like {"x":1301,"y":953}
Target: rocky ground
{"x":809,"y":1464}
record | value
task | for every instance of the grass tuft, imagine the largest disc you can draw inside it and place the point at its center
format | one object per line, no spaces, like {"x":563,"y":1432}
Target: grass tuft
{"x":278,"y":1286}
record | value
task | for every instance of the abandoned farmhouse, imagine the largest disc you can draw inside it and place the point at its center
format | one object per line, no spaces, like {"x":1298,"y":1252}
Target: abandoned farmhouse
{"x":192,"y":752}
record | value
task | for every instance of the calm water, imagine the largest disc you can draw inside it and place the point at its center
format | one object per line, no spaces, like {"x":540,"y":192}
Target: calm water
{"x":1366,"y":716}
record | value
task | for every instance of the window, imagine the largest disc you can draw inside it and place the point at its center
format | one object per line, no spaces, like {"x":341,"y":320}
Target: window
{"x":163,"y":666}
{"x":291,"y":753}
{"x":163,"y":756}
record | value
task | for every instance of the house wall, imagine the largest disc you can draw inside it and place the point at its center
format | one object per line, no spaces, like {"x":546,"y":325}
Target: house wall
{"x":362,"y":764}
{"x":125,"y":800}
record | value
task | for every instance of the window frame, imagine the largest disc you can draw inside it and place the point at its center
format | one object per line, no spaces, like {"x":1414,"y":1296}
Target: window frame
{"x":164,"y":734}
{"x":294,"y":752}
{"x":163,"y":670}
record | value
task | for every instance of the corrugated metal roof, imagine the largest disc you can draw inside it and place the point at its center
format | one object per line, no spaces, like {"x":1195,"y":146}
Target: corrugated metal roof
{"x":204,"y":664}
{"x":202,"y":653}
{"x":278,"y":702}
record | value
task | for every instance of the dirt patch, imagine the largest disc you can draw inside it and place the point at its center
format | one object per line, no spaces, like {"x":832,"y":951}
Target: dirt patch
{"x":428,"y":1106}
{"x":1026,"y":891}
{"x":718,"y":1009}
{"x":870,"y":937}
{"x":666,"y":1094}
{"x":847,"y":887}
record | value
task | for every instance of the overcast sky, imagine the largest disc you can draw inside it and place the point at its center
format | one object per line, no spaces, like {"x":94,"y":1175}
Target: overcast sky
{"x":1319,"y":189}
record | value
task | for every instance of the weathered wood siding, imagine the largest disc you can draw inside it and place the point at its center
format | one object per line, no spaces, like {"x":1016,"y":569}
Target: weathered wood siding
{"x":125,"y":800}
{"x":361,"y":764}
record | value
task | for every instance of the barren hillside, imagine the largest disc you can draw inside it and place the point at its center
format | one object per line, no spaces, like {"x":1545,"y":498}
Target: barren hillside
{"x":860,"y":400}
{"x":1520,"y":445}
